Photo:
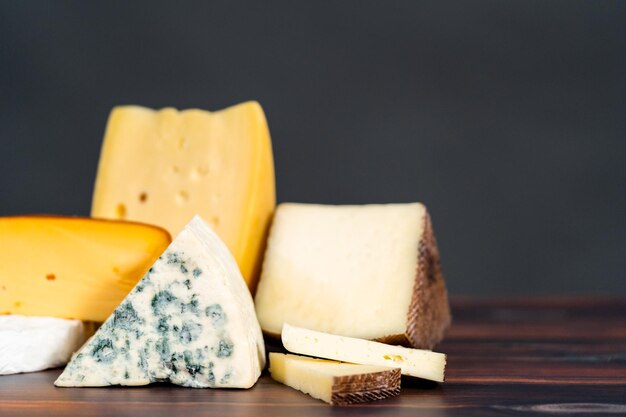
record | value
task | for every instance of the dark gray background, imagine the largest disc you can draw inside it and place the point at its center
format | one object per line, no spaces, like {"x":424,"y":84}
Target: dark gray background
{"x":507,"y":119}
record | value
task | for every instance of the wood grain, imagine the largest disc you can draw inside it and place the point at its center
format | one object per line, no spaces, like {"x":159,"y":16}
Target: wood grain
{"x":505,"y":358}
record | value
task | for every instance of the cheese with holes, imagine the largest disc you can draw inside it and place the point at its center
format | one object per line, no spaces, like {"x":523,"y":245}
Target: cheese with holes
{"x":368,"y":271}
{"x":72,"y":267}
{"x":189,"y":321}
{"x":162,"y":167}
{"x":413,"y":362}
{"x":29,"y":344}
{"x":335,"y":382}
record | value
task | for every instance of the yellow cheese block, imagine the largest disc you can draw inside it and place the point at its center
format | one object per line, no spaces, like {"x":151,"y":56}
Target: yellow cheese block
{"x":71,"y":267}
{"x":163,"y":167}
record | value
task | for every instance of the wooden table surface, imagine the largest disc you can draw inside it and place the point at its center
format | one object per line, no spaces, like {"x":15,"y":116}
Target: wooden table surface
{"x":505,"y":358}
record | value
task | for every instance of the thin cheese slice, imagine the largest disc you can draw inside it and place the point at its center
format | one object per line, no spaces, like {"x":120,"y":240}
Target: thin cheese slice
{"x":335,"y":382}
{"x":370,"y":271}
{"x":190,"y":321}
{"x":164,"y":166}
{"x":72,"y":267}
{"x":413,"y":362}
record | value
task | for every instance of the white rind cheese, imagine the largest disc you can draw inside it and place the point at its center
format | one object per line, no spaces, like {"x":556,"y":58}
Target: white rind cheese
{"x":189,"y":321}
{"x":30,"y":344}
{"x":413,"y":362}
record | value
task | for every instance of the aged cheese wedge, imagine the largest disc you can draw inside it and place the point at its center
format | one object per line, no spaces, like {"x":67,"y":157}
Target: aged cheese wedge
{"x":190,"y":321}
{"x":72,"y":267}
{"x":29,"y":344}
{"x":162,"y":167}
{"x":413,"y":362}
{"x":335,"y":382}
{"x":367,"y":271}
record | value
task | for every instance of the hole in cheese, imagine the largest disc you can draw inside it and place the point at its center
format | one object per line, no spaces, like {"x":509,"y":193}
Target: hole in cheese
{"x":51,"y":277}
{"x":120,"y":211}
{"x":143,"y":197}
{"x":199,"y":173}
{"x":182,"y":197}
{"x":395,"y":358}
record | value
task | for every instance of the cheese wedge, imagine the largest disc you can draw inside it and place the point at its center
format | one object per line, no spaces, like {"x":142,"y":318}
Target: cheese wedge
{"x":189,"y":321}
{"x":371,"y":272}
{"x":71,"y":267}
{"x":413,"y":362}
{"x":335,"y":382}
{"x":29,"y":344}
{"x":162,"y":167}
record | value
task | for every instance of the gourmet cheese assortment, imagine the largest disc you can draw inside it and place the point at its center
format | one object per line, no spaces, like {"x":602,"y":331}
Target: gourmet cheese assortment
{"x":355,"y":293}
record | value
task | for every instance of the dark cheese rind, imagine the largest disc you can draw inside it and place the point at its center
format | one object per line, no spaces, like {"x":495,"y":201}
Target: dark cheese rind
{"x":429,"y":312}
{"x":362,"y":388}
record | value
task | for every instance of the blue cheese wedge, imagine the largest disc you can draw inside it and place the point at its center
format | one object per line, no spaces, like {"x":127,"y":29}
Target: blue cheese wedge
{"x":189,"y":321}
{"x":30,"y":344}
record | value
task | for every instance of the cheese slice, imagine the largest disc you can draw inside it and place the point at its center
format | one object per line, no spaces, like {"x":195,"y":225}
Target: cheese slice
{"x":72,"y":267}
{"x":190,"y":321}
{"x":370,"y":271}
{"x":413,"y":362}
{"x":335,"y":382}
{"x":29,"y":344}
{"x":162,"y":167}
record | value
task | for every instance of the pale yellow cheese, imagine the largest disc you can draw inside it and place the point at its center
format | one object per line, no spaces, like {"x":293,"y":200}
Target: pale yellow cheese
{"x":420,"y":363}
{"x":367,"y":271}
{"x":163,"y":167}
{"x":70,"y":267}
{"x":334,"y":382}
